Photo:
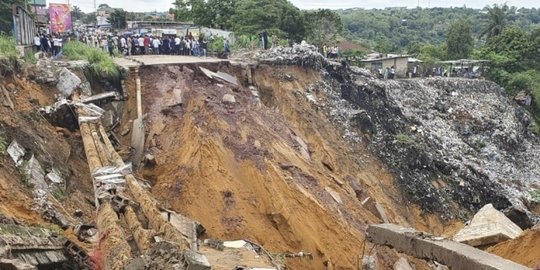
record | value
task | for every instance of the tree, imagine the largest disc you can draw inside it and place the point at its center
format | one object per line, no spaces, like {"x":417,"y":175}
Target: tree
{"x":459,"y":42}
{"x":89,"y":18}
{"x":76,"y":12}
{"x":497,"y":19}
{"x":6,"y":16}
{"x":322,"y":26}
{"x":254,"y":16}
{"x":221,"y":12}
{"x":117,"y":19}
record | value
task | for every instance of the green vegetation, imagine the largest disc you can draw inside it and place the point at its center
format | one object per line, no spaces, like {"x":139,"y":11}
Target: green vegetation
{"x":59,"y":193}
{"x":404,"y":138}
{"x":535,"y":195}
{"x":6,"y":17}
{"x":118,"y":19}
{"x":100,"y":65}
{"x":459,"y":42}
{"x":25,"y":176}
{"x":3,"y":145}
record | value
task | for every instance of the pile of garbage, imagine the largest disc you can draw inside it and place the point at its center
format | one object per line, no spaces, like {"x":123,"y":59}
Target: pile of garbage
{"x":446,"y":139}
{"x":299,"y":54}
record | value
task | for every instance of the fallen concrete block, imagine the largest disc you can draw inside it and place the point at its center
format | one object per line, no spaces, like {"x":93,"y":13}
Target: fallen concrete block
{"x":16,"y":152}
{"x":488,"y":226}
{"x":196,"y":261}
{"x":67,"y":82}
{"x":16,"y":264}
{"x":421,"y":245}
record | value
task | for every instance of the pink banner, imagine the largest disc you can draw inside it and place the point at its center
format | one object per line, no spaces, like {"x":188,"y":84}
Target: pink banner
{"x":60,"y":15}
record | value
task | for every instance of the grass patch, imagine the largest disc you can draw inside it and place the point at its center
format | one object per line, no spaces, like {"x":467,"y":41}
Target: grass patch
{"x":25,"y":176}
{"x":100,"y":65}
{"x":535,"y":195}
{"x":3,"y":145}
{"x":59,"y":193}
{"x":404,"y":138}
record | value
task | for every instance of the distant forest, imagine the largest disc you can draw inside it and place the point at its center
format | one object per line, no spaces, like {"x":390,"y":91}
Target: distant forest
{"x":399,"y":28}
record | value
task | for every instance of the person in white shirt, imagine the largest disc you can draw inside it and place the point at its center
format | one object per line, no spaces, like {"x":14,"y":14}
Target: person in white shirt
{"x":177,"y":46}
{"x":156,"y":44}
{"x":57,"y":45}
{"x":37,"y":42}
{"x":141,"y":45}
{"x":123,"y":45}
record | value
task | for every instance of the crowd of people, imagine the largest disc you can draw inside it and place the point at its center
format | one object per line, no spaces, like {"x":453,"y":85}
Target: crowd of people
{"x":148,"y":44}
{"x":50,"y":43}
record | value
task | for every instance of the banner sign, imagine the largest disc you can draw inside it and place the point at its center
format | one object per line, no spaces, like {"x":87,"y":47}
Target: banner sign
{"x":60,"y":15}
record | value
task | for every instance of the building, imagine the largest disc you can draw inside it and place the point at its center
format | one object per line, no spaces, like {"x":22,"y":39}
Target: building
{"x":377,"y":62}
{"x":103,"y":13}
{"x":39,"y":9}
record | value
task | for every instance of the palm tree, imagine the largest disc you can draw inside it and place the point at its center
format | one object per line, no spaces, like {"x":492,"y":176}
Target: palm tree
{"x":76,"y":12}
{"x":497,"y":16}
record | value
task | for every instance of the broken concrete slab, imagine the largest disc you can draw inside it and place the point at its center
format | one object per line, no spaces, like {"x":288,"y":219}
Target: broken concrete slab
{"x":235,"y":244}
{"x":421,"y":245}
{"x":220,"y":76}
{"x":488,"y":226}
{"x":67,"y":82}
{"x":107,"y":95}
{"x":137,"y":141}
{"x":334,"y":195}
{"x":16,"y":152}
{"x":195,"y":261}
{"x":35,"y":174}
{"x":228,"y":98}
{"x":55,"y":176}
{"x":173,"y":97}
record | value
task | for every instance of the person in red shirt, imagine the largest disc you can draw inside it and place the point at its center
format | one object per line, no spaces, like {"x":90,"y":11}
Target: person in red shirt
{"x":146,"y":43}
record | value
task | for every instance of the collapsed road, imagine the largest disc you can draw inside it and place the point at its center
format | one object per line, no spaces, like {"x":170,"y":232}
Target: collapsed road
{"x":293,"y":154}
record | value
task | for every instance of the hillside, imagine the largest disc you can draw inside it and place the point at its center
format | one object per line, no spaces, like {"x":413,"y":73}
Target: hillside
{"x":402,"y":27}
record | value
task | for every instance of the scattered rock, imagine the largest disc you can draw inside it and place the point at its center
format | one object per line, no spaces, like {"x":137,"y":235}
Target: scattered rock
{"x":149,"y":160}
{"x":228,"y":98}
{"x":334,"y":195}
{"x":518,"y":214}
{"x":67,"y":82}
{"x":16,"y":152}
{"x":55,"y":177}
{"x":402,"y":264}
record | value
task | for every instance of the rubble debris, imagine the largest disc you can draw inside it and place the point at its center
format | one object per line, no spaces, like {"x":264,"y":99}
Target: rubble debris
{"x":16,"y":152}
{"x":106,"y":95}
{"x":334,"y":195}
{"x":164,"y":255}
{"x":220,"y":76}
{"x":302,"y":55}
{"x":195,"y":261}
{"x":113,"y":242}
{"x":453,"y":254}
{"x":369,"y":263}
{"x":7,"y":100}
{"x":149,"y":160}
{"x":228,"y":98}
{"x":521,"y":216}
{"x":173,"y":97}
{"x":55,"y":177}
{"x":137,"y":141}
{"x":489,"y":226}
{"x":67,"y":82}
{"x":86,"y":232}
{"x":35,"y":174}
{"x":35,"y":246}
{"x":15,"y":264}
{"x":402,"y":264}
{"x":215,"y":244}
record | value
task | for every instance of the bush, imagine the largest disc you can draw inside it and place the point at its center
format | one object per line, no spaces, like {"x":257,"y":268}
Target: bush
{"x":216,"y":45}
{"x":100,"y":65}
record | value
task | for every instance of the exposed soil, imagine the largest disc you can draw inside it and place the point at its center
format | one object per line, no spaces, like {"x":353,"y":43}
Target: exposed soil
{"x":53,"y":147}
{"x":524,"y":249}
{"x":243,"y":170}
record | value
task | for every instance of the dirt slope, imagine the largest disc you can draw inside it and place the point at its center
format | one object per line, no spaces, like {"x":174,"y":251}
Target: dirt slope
{"x":264,"y":171}
{"x":524,"y":249}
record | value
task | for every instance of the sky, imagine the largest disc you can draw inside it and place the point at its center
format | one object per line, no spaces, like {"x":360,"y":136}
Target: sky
{"x":164,"y":5}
